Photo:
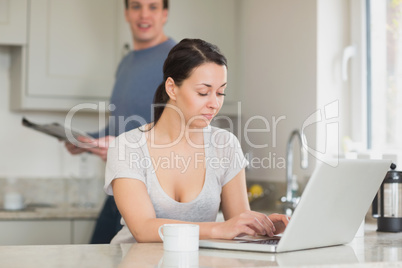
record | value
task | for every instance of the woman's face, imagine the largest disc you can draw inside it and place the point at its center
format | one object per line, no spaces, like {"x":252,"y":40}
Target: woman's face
{"x":201,"y":95}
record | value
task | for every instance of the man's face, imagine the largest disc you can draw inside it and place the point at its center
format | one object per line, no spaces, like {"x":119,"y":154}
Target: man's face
{"x":146,"y":19}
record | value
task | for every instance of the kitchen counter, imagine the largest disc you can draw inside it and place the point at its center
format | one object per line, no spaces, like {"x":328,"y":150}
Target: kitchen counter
{"x":371,"y":250}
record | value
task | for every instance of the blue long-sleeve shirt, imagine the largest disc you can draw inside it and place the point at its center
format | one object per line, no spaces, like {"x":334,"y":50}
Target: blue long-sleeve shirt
{"x":137,"y":78}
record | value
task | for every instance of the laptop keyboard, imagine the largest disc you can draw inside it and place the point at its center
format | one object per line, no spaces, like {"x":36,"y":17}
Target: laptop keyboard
{"x":266,"y":242}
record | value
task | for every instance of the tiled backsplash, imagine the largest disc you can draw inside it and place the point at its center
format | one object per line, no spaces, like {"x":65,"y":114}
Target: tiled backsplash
{"x":81,"y":192}
{"x":270,"y":201}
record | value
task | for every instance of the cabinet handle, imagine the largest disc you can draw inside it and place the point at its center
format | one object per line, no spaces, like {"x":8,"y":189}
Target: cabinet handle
{"x":348,"y":53}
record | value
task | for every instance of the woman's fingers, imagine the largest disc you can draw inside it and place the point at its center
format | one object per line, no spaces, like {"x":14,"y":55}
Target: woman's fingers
{"x":254,"y":223}
{"x":248,"y":231}
{"x":280,"y":222}
{"x":266,"y":220}
{"x":259,"y":222}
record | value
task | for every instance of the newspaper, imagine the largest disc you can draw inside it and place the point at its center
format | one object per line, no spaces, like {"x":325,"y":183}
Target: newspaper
{"x":60,"y":132}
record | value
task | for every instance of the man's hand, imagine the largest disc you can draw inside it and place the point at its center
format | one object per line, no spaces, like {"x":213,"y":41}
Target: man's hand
{"x":74,"y":149}
{"x":95,"y":146}
{"x":102,"y":145}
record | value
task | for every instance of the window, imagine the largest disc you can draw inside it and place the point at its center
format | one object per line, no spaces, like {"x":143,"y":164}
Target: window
{"x":384,"y":75}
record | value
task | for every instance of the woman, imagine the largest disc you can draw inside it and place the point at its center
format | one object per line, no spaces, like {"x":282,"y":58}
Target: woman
{"x":179,"y":168}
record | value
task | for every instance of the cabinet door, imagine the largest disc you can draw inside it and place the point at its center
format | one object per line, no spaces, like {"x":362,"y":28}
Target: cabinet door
{"x":73,"y":49}
{"x":13,"y":22}
{"x":71,"y":58}
{"x":33,"y":232}
{"x":82,"y":231}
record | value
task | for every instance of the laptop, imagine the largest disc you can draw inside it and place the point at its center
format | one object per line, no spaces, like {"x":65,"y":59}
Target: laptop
{"x":331,"y":209}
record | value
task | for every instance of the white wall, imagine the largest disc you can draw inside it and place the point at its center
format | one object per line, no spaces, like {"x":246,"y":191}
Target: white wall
{"x":279,"y":75}
{"x":193,"y":18}
{"x":30,"y":154}
{"x":290,"y":69}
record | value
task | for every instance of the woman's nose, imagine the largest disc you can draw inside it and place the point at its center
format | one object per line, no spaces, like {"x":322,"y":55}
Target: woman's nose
{"x":213,"y":102}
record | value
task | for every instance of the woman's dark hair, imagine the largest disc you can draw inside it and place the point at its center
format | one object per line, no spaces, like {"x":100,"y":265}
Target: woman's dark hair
{"x":179,"y":64}
{"x":165,"y":4}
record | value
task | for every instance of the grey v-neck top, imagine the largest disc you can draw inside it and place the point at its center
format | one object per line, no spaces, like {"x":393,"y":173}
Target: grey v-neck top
{"x":130,"y":158}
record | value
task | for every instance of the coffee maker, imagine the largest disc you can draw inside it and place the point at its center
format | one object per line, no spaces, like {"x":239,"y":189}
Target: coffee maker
{"x":387,"y":204}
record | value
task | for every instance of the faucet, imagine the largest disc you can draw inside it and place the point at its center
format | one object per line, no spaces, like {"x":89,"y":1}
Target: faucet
{"x":290,"y":200}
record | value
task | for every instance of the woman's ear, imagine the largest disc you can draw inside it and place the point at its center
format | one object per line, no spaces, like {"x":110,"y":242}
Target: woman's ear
{"x":170,"y":87}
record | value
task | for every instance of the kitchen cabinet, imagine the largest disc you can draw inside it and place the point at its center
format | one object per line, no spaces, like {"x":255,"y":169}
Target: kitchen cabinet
{"x":46,"y":232}
{"x":13,"y":22}
{"x":82,"y":231}
{"x":72,"y":53}
{"x":35,"y":232}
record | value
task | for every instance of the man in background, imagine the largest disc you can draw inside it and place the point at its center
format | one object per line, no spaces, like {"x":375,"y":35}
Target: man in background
{"x":137,"y":78}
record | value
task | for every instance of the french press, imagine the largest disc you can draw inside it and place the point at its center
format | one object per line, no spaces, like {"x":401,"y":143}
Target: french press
{"x":389,"y":201}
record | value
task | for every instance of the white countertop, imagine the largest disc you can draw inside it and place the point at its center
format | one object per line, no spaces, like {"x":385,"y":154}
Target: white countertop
{"x":371,"y":250}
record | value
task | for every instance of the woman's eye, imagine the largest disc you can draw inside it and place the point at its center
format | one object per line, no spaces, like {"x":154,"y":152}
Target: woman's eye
{"x":221,"y":94}
{"x":203,"y":94}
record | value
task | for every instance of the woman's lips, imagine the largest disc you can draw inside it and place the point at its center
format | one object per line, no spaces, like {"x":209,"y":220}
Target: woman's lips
{"x":208,"y":116}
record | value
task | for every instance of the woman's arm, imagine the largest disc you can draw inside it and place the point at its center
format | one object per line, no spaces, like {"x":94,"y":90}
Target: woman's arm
{"x":235,"y":205}
{"x":234,"y":196}
{"x":136,"y":208}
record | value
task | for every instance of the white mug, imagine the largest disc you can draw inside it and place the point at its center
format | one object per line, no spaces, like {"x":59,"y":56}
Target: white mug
{"x":13,"y":201}
{"x":180,"y":237}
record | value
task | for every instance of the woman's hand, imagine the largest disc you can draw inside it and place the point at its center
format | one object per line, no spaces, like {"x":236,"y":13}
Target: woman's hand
{"x":247,"y":223}
{"x":280,"y":222}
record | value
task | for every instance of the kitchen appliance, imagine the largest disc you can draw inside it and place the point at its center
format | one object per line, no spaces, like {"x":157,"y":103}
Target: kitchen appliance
{"x":387,"y":204}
